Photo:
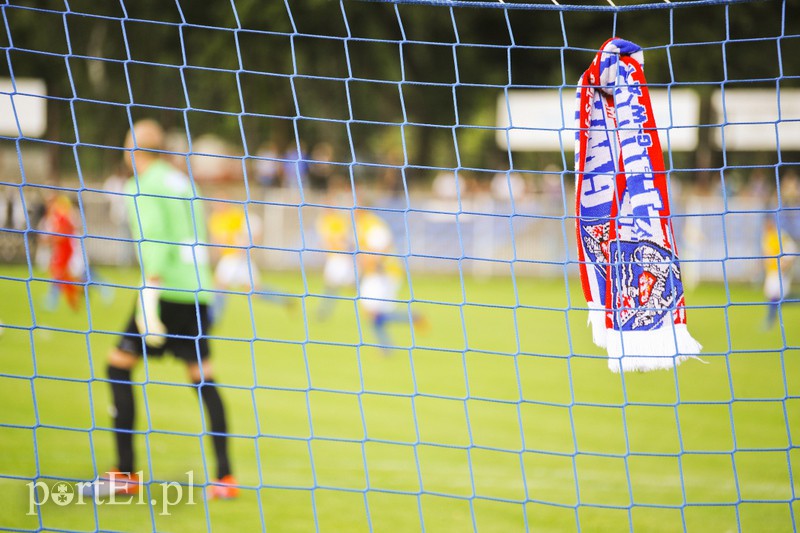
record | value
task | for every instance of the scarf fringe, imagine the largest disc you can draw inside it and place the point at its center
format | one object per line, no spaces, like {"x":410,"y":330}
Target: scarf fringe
{"x":641,"y":351}
{"x":597,"y":321}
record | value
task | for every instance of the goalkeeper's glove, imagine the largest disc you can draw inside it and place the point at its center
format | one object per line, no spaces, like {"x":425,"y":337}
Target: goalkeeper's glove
{"x":148,"y":320}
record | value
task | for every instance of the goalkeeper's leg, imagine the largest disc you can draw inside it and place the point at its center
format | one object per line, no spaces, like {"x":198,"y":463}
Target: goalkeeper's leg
{"x":121,"y":361}
{"x":120,"y":365}
{"x":121,"y":480}
{"x":225,"y":484}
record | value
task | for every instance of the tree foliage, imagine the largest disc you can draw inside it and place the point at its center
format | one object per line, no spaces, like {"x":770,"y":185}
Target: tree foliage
{"x":368,"y":77}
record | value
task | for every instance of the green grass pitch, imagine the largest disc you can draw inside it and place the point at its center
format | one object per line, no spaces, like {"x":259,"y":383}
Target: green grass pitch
{"x":504,"y":416}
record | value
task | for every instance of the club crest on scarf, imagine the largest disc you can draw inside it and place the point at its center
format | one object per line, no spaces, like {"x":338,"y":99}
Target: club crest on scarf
{"x":628,"y":261}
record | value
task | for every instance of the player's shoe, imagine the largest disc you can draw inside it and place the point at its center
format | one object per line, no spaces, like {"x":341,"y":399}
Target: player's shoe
{"x":113,"y":482}
{"x":223,"y":489}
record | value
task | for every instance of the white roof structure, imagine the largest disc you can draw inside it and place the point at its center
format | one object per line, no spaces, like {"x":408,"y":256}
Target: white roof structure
{"x":756,"y":119}
{"x":23,"y":111}
{"x":544,"y":119}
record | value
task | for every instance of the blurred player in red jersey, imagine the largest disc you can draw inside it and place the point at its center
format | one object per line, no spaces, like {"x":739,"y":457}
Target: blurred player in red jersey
{"x":65,"y":261}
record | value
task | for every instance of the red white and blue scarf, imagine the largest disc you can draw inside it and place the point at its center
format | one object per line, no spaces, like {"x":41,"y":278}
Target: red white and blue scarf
{"x":628,"y":261}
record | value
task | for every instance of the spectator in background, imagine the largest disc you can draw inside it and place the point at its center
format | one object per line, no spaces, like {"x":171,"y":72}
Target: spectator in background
{"x":114,"y":192}
{"x":446,"y":187}
{"x":268,"y":168}
{"x":507,"y":186}
{"x":295,"y":168}
{"x":177,"y":145}
{"x":321,"y":170}
{"x":758,"y":185}
{"x":114,"y":185}
{"x":37,"y":210}
{"x":12,"y":213}
{"x":551,"y":185}
{"x":391,"y":179}
{"x":215,"y":159}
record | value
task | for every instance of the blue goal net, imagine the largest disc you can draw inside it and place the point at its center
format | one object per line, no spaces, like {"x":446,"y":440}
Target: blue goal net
{"x":316,"y":265}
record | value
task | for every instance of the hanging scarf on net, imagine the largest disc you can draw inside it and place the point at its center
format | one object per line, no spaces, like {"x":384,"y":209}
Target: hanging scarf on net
{"x":628,"y":261}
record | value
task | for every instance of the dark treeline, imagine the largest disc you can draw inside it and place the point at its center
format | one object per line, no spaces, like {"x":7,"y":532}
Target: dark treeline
{"x":352,"y":73}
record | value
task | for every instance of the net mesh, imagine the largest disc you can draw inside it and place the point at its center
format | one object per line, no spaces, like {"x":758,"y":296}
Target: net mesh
{"x":399,"y":335}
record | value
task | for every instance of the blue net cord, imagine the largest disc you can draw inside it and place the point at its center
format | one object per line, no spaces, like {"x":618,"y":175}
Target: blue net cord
{"x":456,"y":237}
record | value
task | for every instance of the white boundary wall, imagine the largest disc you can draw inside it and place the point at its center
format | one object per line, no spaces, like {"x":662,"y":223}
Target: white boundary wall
{"x":486,"y":236}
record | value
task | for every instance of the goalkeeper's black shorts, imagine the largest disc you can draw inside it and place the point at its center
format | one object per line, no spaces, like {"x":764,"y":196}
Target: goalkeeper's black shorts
{"x":185,"y":340}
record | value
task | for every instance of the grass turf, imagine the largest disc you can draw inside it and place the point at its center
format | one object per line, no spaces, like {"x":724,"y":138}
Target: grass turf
{"x":503,"y":417}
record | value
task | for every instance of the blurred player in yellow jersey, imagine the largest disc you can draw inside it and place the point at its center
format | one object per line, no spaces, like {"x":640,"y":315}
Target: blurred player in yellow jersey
{"x":234,"y":233}
{"x":336,"y":235}
{"x":779,"y":250}
{"x":380,"y":275}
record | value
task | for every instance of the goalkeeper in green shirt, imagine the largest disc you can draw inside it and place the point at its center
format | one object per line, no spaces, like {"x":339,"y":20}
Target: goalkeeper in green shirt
{"x":171,"y":314}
